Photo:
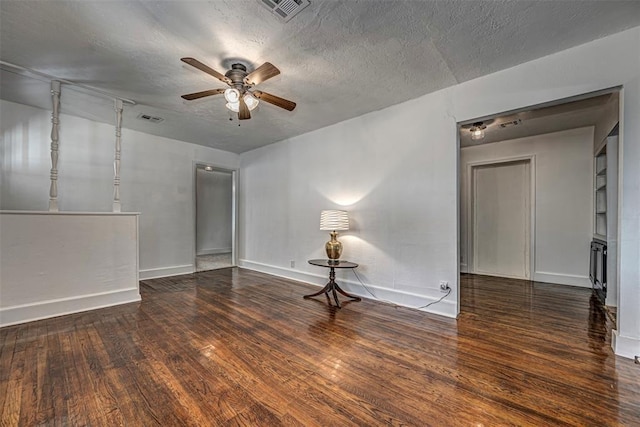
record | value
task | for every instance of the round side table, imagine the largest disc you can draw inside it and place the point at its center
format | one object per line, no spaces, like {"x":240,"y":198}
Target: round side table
{"x":332,"y":286}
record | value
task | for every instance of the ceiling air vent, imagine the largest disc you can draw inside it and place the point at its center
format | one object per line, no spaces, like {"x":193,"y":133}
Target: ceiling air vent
{"x":148,"y":118}
{"x":284,"y":9}
{"x":511,"y":123}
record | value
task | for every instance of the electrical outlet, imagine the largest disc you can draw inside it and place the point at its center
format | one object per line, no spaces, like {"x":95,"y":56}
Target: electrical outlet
{"x":293,"y":264}
{"x":444,"y":286}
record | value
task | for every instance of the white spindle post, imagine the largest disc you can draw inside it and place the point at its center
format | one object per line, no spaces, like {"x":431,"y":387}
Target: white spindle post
{"x":117,"y":206}
{"x":53,"y":190}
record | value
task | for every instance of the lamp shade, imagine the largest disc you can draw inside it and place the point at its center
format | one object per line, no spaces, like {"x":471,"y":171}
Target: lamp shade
{"x":334,"y":220}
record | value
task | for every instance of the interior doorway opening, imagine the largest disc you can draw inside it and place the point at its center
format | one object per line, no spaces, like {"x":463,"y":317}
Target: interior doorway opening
{"x":570,"y":144}
{"x":215,"y":222}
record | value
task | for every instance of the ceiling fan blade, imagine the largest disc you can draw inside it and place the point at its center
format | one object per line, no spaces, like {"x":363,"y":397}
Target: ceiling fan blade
{"x":243,"y":112}
{"x":262,"y":73}
{"x":275,"y":100}
{"x":200,"y":66}
{"x":197,"y":95}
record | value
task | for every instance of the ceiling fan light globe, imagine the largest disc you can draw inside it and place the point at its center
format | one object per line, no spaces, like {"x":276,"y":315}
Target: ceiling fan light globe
{"x":251,"y":101}
{"x":233,"y":106}
{"x":232,"y":95}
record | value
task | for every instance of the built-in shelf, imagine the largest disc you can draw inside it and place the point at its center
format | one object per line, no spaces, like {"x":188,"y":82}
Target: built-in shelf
{"x":605,"y":215}
{"x":600,"y":190}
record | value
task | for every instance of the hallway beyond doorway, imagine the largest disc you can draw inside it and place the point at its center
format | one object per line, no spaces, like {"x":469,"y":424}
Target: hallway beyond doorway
{"x":213,"y":261}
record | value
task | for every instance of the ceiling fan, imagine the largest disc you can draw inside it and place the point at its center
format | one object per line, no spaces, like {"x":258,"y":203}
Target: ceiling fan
{"x":240,"y":95}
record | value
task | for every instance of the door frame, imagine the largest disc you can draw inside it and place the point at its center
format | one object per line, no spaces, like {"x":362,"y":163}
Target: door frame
{"x":470,"y":214}
{"x":234,"y":209}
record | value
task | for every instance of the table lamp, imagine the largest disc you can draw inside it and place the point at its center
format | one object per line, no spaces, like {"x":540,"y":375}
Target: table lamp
{"x":334,"y":220}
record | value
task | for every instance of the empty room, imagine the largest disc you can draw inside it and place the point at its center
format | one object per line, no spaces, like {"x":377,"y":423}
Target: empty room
{"x":319,"y":213}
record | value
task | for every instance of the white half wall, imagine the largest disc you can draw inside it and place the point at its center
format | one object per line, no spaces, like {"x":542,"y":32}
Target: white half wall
{"x":563,"y":200}
{"x":156,"y":178}
{"x":396,"y":171}
{"x":59,"y":263}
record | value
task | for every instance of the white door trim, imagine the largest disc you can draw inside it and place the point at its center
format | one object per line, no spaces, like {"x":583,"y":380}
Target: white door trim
{"x":532,"y":206}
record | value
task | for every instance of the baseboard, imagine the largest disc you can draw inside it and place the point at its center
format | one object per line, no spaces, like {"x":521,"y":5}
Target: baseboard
{"x":445,"y":307}
{"x":562,"y":279}
{"x":214,"y":251}
{"x":154,"y":273}
{"x":625,"y":346}
{"x":491,"y":274}
{"x":464,"y":268}
{"x":59,"y":307}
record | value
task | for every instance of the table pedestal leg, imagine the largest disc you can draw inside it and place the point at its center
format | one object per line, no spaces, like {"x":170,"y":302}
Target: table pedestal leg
{"x":332,"y":287}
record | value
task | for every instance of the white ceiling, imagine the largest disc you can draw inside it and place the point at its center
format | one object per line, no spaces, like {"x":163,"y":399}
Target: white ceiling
{"x":339,"y":59}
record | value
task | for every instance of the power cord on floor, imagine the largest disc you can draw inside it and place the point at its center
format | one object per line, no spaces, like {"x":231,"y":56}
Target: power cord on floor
{"x":438,"y":300}
{"x":393,"y":303}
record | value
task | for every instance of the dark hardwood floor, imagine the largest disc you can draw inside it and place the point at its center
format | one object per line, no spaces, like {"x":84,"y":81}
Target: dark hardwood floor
{"x":235,"y":347}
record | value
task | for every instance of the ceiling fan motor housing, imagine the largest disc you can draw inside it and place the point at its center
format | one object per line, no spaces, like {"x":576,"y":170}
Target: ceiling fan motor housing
{"x":236,"y":74}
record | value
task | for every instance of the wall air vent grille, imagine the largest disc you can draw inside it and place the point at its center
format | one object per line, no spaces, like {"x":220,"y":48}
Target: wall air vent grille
{"x":149,"y":118}
{"x":284,"y":9}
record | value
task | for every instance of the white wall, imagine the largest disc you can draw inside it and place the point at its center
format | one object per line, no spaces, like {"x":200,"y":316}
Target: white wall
{"x":390,"y":170}
{"x":157,"y":178}
{"x":213,"y":213}
{"x":563,"y":200}
{"x":606,"y":122}
{"x":395,"y":170}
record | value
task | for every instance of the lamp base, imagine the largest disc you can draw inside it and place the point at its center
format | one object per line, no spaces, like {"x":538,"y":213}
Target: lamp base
{"x":333,"y":247}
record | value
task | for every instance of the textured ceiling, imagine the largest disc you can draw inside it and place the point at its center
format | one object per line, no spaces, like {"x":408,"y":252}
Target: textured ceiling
{"x":339,"y":59}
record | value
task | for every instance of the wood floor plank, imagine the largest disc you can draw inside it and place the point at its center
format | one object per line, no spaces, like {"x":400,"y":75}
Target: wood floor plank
{"x":236,"y":347}
{"x":8,"y":337}
{"x":94,"y":372}
{"x":12,"y":401}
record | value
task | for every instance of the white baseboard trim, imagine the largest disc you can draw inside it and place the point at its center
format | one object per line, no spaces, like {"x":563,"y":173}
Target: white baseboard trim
{"x":625,"y":346}
{"x":445,"y":307}
{"x":58,"y":307}
{"x":464,"y":268}
{"x":154,"y":273}
{"x":491,"y":274}
{"x":214,"y":251}
{"x":562,"y":279}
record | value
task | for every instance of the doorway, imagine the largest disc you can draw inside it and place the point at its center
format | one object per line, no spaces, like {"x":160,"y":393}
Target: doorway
{"x":562,"y":141}
{"x":215,"y":207}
